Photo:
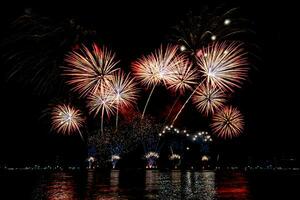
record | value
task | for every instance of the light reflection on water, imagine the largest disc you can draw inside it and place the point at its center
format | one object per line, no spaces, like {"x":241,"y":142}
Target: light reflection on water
{"x":233,"y":186}
{"x":150,"y":184}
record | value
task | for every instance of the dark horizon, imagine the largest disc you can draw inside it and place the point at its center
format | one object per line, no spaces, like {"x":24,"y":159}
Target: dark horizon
{"x":133,"y":30}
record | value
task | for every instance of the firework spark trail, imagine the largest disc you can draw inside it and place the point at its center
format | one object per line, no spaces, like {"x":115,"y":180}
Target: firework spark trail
{"x":66,"y":119}
{"x":88,"y":71}
{"x":157,"y":68}
{"x":147,"y":102}
{"x":171,"y":110}
{"x":228,"y":123}
{"x":208,"y":99}
{"x":182,"y":107}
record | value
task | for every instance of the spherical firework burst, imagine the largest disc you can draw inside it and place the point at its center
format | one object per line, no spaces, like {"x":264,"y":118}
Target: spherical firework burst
{"x":102,"y":102}
{"x":66,"y":119}
{"x":124,"y":88}
{"x":223,"y":64}
{"x":228,"y":123}
{"x":88,"y":71}
{"x":184,"y":77}
{"x":158,"y":66}
{"x":208,"y":99}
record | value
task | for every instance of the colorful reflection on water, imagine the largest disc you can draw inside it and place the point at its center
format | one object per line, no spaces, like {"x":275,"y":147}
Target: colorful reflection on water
{"x":149,"y":184}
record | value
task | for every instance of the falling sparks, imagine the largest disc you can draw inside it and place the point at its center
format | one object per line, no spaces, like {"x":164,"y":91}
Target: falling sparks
{"x":208,"y":99}
{"x":87,"y":71}
{"x":228,"y":123}
{"x":224,"y":65}
{"x":66,"y":119}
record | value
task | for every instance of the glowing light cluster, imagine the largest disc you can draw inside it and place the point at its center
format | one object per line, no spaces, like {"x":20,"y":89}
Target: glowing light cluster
{"x":115,"y":157}
{"x":203,"y":135}
{"x":204,"y":158}
{"x":175,"y":157}
{"x":152,"y":154}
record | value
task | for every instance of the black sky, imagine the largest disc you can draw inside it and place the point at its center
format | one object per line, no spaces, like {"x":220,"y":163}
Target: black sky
{"x":268,"y":100}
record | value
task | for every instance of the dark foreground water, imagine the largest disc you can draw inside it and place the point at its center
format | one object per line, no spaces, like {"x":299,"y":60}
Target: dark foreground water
{"x":140,"y":184}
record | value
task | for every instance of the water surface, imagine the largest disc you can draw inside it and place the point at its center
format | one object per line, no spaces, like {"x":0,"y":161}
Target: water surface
{"x":149,"y":184}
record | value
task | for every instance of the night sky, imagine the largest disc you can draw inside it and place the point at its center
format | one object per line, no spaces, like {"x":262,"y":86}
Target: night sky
{"x":267,"y":100}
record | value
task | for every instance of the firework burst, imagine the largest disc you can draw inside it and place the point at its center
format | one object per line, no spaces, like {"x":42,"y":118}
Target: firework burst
{"x":208,"y":99}
{"x":88,"y":71}
{"x":184,"y":77}
{"x":66,"y":119}
{"x":103,"y":101}
{"x":223,"y":65}
{"x":157,"y":68}
{"x":228,"y":123}
{"x":125,"y":91}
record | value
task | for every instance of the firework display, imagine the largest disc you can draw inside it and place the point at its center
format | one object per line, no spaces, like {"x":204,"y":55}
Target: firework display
{"x":202,"y":62}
